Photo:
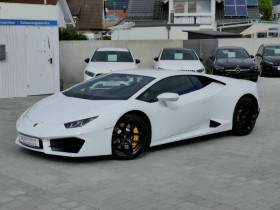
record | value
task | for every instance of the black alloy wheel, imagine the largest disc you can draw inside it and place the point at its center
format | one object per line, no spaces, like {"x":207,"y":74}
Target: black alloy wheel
{"x":244,"y":117}
{"x":130,"y":138}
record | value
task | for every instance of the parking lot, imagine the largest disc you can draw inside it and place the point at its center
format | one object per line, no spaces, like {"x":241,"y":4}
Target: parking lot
{"x":217,"y":172}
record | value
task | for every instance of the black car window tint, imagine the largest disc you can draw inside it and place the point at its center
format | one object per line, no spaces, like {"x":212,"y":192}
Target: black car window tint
{"x":146,"y":96}
{"x":177,"y":84}
{"x":196,"y":82}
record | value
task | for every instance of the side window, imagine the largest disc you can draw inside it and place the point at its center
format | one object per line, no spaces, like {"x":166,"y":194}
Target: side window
{"x":177,"y":84}
{"x":196,"y":82}
{"x":146,"y":96}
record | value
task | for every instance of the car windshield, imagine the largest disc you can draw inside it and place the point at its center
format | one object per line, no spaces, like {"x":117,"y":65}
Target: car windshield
{"x":272,"y":51}
{"x":109,"y":87}
{"x":171,"y":54}
{"x":112,"y":56}
{"x":232,"y":53}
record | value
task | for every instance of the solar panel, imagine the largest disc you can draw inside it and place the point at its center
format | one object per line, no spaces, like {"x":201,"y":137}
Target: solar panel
{"x":252,"y":2}
{"x":241,"y":2}
{"x":230,"y":11}
{"x":229,"y":2}
{"x":241,"y":11}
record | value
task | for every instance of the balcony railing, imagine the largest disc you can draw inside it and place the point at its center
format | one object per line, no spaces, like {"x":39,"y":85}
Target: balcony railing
{"x":193,"y":19}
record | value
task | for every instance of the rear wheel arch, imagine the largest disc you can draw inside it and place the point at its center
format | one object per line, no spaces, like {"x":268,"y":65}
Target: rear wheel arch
{"x":243,"y":118}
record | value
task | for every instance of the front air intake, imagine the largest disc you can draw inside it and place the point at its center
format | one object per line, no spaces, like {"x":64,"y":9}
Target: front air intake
{"x":70,"y":145}
{"x":214,"y":124}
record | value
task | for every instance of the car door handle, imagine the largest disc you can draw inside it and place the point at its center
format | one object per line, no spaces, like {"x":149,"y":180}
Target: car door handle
{"x":50,"y":60}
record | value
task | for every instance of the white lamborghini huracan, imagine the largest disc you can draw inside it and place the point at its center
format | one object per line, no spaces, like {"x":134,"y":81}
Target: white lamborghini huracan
{"x":125,"y":112}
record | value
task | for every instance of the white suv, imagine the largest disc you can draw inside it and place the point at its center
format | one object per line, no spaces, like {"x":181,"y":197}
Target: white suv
{"x":179,"y":59}
{"x":105,"y":60}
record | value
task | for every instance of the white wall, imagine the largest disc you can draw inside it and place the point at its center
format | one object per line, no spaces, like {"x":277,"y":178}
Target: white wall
{"x":153,"y":33}
{"x":148,"y":33}
{"x":28,"y":11}
{"x":73,"y":54}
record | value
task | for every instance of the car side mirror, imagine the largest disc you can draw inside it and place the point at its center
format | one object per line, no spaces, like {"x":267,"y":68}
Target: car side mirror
{"x":156,"y":59}
{"x":212,"y":57}
{"x":258,"y":55}
{"x":87,"y":60}
{"x":137,"y":61}
{"x":164,"y":97}
{"x":252,"y":56}
{"x":201,"y":59}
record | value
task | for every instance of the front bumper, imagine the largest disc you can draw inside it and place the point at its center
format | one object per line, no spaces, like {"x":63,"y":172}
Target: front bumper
{"x":75,"y":142}
{"x":268,"y":69}
{"x":247,"y":74}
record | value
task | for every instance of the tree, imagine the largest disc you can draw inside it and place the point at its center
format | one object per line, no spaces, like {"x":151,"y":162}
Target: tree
{"x":70,"y":34}
{"x":265,"y":7}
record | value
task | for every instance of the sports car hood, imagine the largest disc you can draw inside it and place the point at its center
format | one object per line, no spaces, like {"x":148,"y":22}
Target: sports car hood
{"x":180,"y":65}
{"x":59,"y":108}
{"x":104,"y":67}
{"x":233,"y":63}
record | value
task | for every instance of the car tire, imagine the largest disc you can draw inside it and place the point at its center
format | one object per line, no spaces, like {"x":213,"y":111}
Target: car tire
{"x":131,"y":136}
{"x":244,"y":116}
{"x":254,"y":79}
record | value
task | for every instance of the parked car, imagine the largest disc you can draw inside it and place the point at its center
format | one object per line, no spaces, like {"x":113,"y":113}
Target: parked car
{"x":179,"y":59}
{"x":268,"y":59}
{"x":105,"y":60}
{"x":125,"y":112}
{"x":232,"y":62}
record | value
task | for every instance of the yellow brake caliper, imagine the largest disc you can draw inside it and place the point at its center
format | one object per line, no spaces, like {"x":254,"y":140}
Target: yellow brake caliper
{"x":135,"y":137}
{"x":238,"y":115}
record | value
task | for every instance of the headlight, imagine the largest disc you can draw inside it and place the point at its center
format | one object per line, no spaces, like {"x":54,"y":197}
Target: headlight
{"x":200,"y":70}
{"x":79,"y":123}
{"x":88,"y":73}
{"x":254,"y":68}
{"x":268,"y":62}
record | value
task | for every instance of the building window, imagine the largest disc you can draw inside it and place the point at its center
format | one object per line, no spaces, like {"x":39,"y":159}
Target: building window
{"x":262,"y":35}
{"x":272,"y":34}
{"x":191,"y":7}
{"x":179,"y":6}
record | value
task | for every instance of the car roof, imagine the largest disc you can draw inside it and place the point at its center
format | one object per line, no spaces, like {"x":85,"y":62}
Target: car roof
{"x":156,"y":73}
{"x":178,"y":48}
{"x":229,"y":47}
{"x":112,"y":49}
{"x":271,"y":45}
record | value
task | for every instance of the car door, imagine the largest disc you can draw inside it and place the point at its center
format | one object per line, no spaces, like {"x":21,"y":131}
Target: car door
{"x":157,"y":60}
{"x":258,"y":59}
{"x":176,"y":117}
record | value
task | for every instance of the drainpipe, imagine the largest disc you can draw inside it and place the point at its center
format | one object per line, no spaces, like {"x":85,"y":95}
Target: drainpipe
{"x":171,"y":12}
{"x":168,"y":27}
